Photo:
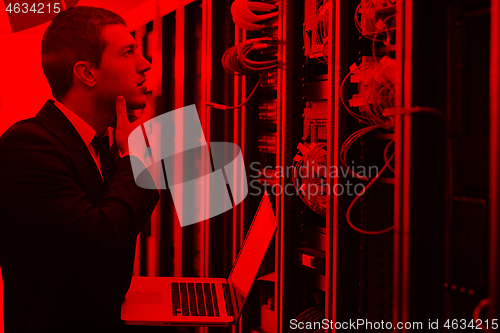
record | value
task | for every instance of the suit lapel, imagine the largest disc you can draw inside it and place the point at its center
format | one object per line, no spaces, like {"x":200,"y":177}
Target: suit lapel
{"x":57,"y":123}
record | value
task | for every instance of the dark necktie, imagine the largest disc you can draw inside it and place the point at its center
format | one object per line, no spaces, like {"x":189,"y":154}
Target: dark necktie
{"x":101,"y":146}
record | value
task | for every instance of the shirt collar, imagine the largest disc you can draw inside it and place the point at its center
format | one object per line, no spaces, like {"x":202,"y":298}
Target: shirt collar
{"x":86,"y":132}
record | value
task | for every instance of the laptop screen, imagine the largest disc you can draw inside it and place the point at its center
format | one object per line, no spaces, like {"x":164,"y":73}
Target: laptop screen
{"x":252,"y":253}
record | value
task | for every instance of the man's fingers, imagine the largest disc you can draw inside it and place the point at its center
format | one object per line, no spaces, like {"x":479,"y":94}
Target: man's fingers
{"x":121,"y":110}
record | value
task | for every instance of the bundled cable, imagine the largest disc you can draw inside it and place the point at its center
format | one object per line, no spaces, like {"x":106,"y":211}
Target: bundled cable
{"x":388,"y":112}
{"x":348,"y":143}
{"x":309,"y":176}
{"x":236,"y":61}
{"x":376,"y":91}
{"x":244,"y":16}
{"x":375,"y":99}
{"x":373,"y":180}
{"x":367,"y":20}
{"x":382,"y":25}
{"x":315,"y":30}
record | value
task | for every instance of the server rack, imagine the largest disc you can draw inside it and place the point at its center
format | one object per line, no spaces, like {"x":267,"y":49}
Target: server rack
{"x":318,"y":261}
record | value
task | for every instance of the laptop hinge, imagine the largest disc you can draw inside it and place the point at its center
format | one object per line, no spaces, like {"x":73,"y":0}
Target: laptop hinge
{"x":227,"y":298}
{"x":234,"y":301}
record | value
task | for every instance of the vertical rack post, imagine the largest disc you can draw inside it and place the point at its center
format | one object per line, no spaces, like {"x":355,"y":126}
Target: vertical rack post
{"x":206,"y":79}
{"x":285,"y":110}
{"x":179,"y":103}
{"x":494,"y":291}
{"x":332,"y":160}
{"x":139,"y":33}
{"x":154,"y":241}
{"x":402,"y":126}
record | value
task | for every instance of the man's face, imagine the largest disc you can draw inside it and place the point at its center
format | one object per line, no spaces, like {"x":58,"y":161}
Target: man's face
{"x":122,"y":69}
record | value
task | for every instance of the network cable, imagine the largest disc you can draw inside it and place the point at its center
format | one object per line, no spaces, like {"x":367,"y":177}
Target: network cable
{"x":236,"y":62}
{"x":225,"y":107}
{"x":373,"y":180}
{"x":243,"y":14}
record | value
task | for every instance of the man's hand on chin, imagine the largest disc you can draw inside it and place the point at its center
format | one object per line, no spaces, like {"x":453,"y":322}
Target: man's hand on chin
{"x":124,"y":126}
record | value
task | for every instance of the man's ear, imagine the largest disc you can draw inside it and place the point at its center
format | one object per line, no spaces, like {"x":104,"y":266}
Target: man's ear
{"x":83,"y":72}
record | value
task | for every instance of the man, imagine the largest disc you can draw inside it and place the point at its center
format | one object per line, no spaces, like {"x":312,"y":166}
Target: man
{"x":70,"y":210}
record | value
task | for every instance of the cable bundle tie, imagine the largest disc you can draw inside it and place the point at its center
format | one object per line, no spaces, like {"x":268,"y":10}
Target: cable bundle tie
{"x":389,"y":62}
{"x":389,"y":66}
{"x":356,"y":101}
{"x":356,"y":73}
{"x":380,"y":25}
{"x":389,"y":123}
{"x":303,"y":149}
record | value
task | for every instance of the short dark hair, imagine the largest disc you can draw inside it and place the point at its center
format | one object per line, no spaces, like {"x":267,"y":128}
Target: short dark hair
{"x":74,"y":35}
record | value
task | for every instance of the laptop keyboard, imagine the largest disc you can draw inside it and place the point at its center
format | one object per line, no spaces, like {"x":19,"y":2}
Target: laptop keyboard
{"x":194,"y":299}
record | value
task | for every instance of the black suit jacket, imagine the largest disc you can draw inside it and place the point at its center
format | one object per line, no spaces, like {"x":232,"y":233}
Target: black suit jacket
{"x":66,"y":241}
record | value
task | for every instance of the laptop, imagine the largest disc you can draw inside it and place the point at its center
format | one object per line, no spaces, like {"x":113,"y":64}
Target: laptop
{"x":183,"y":301}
